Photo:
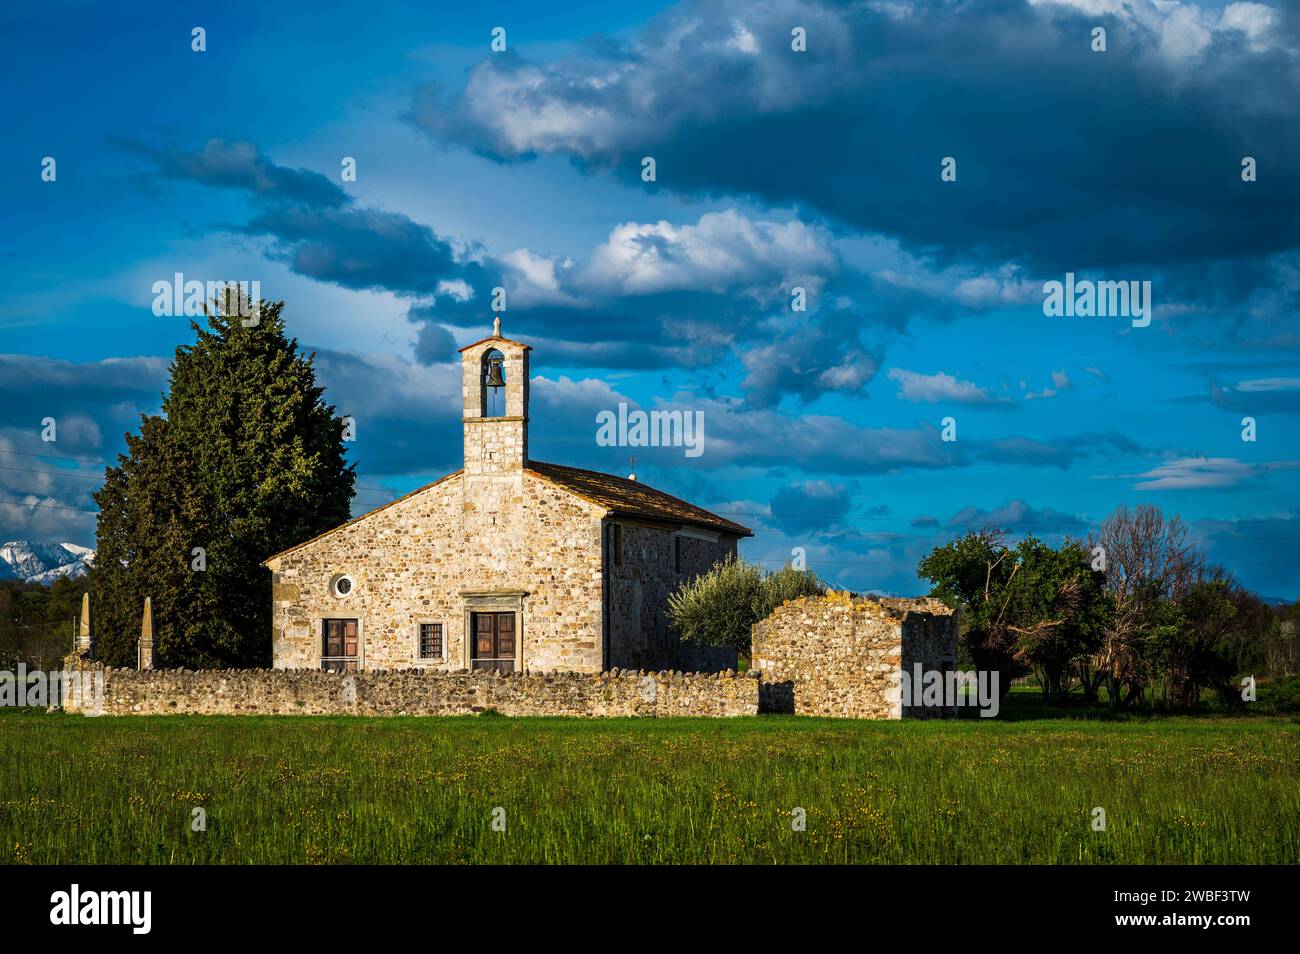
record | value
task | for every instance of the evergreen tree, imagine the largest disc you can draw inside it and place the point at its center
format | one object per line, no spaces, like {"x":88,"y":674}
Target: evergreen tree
{"x":245,"y":460}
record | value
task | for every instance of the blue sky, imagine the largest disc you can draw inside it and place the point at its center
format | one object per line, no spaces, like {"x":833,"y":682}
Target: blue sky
{"x":775,"y":169}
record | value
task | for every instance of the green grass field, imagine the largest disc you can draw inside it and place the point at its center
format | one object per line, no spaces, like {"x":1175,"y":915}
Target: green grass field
{"x":1178,"y":789}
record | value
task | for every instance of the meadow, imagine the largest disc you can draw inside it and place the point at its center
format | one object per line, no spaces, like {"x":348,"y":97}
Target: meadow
{"x":1175,"y":789}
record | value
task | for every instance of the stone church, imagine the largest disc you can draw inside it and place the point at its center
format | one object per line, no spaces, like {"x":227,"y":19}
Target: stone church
{"x":508,"y":564}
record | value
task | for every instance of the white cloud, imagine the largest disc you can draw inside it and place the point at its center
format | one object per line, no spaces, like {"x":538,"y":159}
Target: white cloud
{"x":933,"y":388}
{"x":1060,"y":382}
{"x":1268,"y":384}
{"x":458,"y":289}
{"x":526,"y":115}
{"x":1183,"y":31}
{"x":742,"y":39}
{"x":1196,"y":473}
{"x":1183,"y":34}
{"x":1006,"y":286}
{"x":1256,"y":20}
{"x":582,"y":398}
{"x":722,"y":250}
{"x":537,"y":279}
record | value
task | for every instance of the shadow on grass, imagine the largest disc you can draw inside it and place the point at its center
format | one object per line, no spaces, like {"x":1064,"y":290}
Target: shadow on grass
{"x":1026,"y":704}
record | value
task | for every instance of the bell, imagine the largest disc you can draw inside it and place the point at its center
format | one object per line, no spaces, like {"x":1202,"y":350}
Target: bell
{"x":494,"y":376}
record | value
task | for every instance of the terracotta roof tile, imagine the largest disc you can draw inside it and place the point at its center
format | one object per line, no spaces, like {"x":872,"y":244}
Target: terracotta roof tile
{"x":631,"y":497}
{"x":475,"y":344}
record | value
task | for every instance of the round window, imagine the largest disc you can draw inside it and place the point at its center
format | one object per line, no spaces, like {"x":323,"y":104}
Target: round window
{"x":342,"y":585}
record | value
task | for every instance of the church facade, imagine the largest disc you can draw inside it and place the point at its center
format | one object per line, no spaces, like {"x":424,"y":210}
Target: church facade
{"x":508,"y":564}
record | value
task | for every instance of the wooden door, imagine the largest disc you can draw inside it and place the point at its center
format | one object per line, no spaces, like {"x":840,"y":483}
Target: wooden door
{"x":506,"y":636}
{"x":494,"y":641}
{"x":485,"y":636}
{"x":350,"y":638}
{"x":339,"y":645}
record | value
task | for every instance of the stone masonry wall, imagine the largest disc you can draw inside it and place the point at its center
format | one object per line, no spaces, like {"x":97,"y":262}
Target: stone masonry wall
{"x":412,"y":561}
{"x":839,"y":655}
{"x":639,"y":587}
{"x":421,"y":693}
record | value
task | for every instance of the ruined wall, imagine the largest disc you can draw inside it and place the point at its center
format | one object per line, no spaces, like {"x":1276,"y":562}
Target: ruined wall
{"x":930,"y":642}
{"x":639,"y":587}
{"x":421,"y":693}
{"x":839,"y":655}
{"x":412,"y":561}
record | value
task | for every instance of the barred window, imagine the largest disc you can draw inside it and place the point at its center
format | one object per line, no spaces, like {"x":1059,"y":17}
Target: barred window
{"x":431,"y":640}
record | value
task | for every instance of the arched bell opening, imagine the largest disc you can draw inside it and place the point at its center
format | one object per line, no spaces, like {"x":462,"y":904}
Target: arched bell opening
{"x":493,"y":378}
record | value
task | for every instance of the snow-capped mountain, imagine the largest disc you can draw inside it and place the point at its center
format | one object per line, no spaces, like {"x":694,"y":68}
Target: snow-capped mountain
{"x":43,"y":562}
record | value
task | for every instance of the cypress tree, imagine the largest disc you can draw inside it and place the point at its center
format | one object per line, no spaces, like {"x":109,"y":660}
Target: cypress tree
{"x":245,"y":460}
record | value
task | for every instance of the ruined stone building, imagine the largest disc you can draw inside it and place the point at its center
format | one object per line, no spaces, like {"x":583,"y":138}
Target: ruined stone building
{"x":848,"y":656}
{"x":508,"y":564}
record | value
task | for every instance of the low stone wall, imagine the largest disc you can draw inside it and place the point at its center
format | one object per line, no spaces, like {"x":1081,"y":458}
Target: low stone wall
{"x":840,"y":655}
{"x":417,"y":693}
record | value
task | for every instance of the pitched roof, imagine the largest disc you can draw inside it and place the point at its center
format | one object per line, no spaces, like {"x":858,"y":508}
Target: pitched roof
{"x":503,"y":340}
{"x":632,"y":498}
{"x":616,"y":494}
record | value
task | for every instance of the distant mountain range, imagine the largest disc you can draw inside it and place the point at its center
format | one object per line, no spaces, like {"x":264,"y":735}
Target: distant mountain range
{"x":43,"y":562}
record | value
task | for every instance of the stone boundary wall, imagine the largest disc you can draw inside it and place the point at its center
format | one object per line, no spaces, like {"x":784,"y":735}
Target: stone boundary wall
{"x":416,"y":693}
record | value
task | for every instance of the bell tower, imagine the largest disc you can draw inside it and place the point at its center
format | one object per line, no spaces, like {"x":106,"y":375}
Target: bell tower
{"x":494,"y":388}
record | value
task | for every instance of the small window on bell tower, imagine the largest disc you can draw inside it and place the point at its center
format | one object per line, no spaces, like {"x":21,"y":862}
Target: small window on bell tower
{"x":494,"y":384}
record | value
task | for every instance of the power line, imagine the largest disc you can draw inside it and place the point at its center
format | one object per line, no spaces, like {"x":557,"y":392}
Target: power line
{"x":6,"y":626}
{"x":53,"y":473}
{"x":84,"y":460}
{"x":48,"y":506}
{"x":811,"y":561}
{"x":91,"y":460}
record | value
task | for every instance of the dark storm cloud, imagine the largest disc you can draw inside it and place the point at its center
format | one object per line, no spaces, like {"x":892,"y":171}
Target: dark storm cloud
{"x":795,"y":507}
{"x":1066,"y":158}
{"x":1265,"y":550}
{"x":362,"y":248}
{"x":1019,"y":518}
{"x":653,"y":296}
{"x":242,"y":166}
{"x":46,"y":485}
{"x":316,"y":228}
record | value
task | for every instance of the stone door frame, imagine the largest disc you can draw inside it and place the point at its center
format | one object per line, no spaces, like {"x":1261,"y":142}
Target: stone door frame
{"x":493,"y":601}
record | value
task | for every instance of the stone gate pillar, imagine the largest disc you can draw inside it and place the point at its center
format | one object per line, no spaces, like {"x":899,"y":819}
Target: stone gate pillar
{"x":146,"y":636}
{"x":85,"y":641}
